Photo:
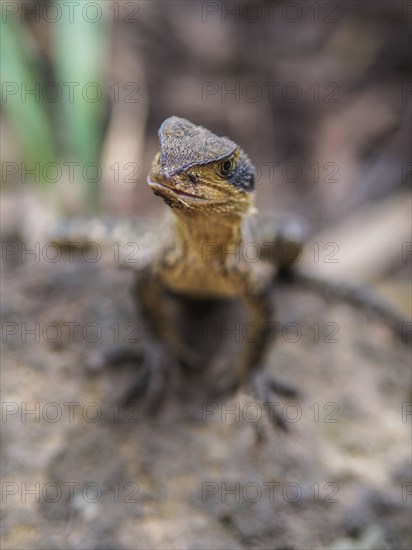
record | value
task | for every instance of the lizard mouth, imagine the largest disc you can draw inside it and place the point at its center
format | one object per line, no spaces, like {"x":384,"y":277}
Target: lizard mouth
{"x":166,"y":191}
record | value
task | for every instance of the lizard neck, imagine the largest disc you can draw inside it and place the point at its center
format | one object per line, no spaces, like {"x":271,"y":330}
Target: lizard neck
{"x":202,"y":236}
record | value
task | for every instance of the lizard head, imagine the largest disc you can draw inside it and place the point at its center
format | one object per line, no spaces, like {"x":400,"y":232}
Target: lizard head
{"x":195,"y":170}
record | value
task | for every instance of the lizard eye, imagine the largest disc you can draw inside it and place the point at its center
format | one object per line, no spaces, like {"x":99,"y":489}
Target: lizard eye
{"x":225,"y":167}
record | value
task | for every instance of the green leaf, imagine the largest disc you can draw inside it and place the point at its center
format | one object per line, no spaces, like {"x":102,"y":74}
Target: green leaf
{"x":79,"y":54}
{"x":26,"y":112}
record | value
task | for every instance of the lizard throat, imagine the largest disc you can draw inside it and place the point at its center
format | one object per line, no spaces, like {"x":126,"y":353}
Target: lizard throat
{"x":196,"y":233}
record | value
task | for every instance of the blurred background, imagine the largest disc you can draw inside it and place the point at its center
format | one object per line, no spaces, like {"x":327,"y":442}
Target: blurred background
{"x":318,"y":93}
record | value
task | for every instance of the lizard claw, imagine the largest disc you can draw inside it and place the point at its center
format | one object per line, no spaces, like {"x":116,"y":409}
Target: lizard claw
{"x":263,"y":387}
{"x":151,"y":368}
{"x":150,"y":387}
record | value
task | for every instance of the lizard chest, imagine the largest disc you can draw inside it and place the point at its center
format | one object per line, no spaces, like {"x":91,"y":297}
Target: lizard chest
{"x":196,"y":279}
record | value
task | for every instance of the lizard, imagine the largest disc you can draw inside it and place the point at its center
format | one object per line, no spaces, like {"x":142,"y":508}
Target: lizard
{"x":208,"y":182}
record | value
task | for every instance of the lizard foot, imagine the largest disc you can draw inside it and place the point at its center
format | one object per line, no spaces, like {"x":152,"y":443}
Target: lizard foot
{"x":148,"y":386}
{"x":264,"y":388}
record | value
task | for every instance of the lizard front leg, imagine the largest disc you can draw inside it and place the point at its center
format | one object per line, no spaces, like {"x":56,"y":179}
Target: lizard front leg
{"x":249,"y":367}
{"x":258,"y":301}
{"x":148,"y":293}
{"x":150,"y":297}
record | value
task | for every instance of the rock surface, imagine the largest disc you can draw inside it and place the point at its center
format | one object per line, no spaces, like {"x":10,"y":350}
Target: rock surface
{"x":81,"y":472}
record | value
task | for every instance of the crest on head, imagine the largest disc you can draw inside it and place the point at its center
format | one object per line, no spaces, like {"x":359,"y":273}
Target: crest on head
{"x":184,"y":144}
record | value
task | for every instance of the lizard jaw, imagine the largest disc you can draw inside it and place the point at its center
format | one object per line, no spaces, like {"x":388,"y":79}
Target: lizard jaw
{"x":169,"y":193}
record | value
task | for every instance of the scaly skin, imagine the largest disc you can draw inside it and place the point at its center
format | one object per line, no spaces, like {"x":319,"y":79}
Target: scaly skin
{"x":208,"y":182}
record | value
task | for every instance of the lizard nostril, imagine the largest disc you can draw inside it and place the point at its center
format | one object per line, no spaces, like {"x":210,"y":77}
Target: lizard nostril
{"x":194,"y":178}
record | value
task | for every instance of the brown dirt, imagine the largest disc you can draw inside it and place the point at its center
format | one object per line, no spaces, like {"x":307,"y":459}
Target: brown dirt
{"x":336,"y":479}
